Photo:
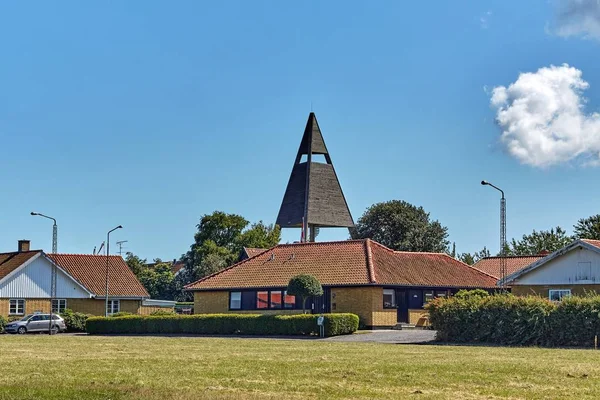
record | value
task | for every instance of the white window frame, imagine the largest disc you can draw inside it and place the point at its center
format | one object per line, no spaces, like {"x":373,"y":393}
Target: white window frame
{"x":16,"y":306}
{"x":60,"y":307}
{"x":567,"y":292}
{"x":393,"y":293}
{"x":110,"y":309}
{"x":231,"y":300}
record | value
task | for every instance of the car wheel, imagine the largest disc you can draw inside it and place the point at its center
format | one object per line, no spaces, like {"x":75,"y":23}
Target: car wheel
{"x":55,"y":330}
{"x":22,"y":330}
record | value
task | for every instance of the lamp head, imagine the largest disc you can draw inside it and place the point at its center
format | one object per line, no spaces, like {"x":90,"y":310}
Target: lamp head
{"x":485,"y":183}
{"x":120,"y":227}
{"x":34,"y":213}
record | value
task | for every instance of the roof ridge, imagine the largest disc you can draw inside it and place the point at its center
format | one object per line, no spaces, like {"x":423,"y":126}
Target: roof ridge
{"x":86,"y":255}
{"x":519,"y":256}
{"x":370,"y":266}
{"x":21,"y":252}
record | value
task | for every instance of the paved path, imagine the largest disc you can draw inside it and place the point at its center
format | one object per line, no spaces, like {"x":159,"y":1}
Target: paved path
{"x":388,"y":336}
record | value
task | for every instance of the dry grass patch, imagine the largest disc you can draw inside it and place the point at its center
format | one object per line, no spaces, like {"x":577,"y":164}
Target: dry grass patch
{"x":66,"y":367}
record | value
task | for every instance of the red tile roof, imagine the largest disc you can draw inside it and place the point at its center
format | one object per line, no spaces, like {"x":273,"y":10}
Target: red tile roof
{"x":491,"y":265}
{"x":253,"y":251}
{"x":90,"y":271}
{"x":11,"y":261}
{"x":595,"y":243}
{"x":351,"y":262}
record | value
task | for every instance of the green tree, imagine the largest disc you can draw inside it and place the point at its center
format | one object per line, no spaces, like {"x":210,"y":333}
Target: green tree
{"x":218,"y":243}
{"x":471,"y":259}
{"x":158,"y":281}
{"x":304,"y":286}
{"x":588,"y":228}
{"x":402,"y":226}
{"x":136,"y":264}
{"x":536,"y":242}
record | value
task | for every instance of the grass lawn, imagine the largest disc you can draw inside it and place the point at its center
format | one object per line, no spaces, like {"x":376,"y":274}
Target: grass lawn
{"x":79,"y":367}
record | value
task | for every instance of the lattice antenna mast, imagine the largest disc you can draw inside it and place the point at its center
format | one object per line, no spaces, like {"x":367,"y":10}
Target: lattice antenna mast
{"x":503,"y":239}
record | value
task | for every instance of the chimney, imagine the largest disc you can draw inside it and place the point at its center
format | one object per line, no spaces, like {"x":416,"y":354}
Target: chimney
{"x":23,"y":245}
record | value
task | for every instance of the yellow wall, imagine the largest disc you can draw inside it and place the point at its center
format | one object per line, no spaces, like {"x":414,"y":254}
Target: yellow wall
{"x":542,"y":290}
{"x":366,"y":302}
{"x":86,"y":306}
{"x":211,"y":302}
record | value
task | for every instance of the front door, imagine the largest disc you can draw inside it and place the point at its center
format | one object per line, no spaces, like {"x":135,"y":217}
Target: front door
{"x":402,"y":302}
{"x":320,"y":304}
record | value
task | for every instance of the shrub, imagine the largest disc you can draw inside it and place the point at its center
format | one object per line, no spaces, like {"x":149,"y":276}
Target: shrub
{"x":121,"y":314}
{"x":162,"y":312}
{"x":75,"y":321}
{"x":467,"y":294}
{"x":2,"y":323}
{"x":510,"y":320}
{"x":224,"y":324}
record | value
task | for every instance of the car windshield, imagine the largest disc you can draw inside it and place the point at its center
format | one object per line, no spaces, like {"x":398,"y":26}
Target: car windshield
{"x":26,"y":318}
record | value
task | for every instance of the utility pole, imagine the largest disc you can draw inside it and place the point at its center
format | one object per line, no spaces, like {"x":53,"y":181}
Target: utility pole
{"x":53,"y":270}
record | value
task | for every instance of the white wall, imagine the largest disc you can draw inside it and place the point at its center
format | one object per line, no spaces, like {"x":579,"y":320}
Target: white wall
{"x":33,"y":281}
{"x":579,"y":266}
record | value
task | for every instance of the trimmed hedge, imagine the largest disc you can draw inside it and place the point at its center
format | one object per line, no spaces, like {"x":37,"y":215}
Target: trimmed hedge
{"x":225,"y":324}
{"x":2,"y":323}
{"x":510,"y":320}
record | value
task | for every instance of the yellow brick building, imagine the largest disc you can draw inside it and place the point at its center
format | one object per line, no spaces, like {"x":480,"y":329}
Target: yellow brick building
{"x":383,"y":287}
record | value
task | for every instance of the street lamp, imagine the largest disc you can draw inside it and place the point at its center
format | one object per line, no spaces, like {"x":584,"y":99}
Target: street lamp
{"x":502,"y":231}
{"x":53,"y":273}
{"x":107,"y":258}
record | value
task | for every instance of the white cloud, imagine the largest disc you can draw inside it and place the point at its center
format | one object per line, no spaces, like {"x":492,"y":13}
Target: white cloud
{"x":578,"y":18}
{"x":484,"y":20}
{"x":542,"y":118}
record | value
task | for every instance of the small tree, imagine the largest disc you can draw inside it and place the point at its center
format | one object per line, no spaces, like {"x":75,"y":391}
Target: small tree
{"x":304,"y":286}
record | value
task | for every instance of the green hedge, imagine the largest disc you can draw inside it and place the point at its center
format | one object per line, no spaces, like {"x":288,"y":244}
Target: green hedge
{"x":75,"y":321}
{"x":511,"y":320}
{"x":2,"y":323}
{"x":225,"y":324}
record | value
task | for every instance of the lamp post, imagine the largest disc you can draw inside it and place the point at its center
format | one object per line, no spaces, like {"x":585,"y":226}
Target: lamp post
{"x":502,"y":232}
{"x":107,"y":259}
{"x":53,"y":273}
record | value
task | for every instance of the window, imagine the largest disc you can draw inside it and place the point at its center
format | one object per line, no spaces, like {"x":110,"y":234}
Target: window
{"x":16,"y":307}
{"x":558,"y":294}
{"x":389,"y":298}
{"x":428,"y":295}
{"x":262,"y":299}
{"x":275,"y":299}
{"x":289,"y":301}
{"x":59,"y":306}
{"x":235,"y":300}
{"x":441,"y":293}
{"x":113,"y":307}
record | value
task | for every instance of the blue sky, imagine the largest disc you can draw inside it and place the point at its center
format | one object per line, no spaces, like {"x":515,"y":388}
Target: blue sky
{"x":149,"y":114}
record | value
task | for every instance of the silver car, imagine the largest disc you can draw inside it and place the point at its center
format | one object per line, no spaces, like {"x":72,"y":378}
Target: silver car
{"x":36,"y":323}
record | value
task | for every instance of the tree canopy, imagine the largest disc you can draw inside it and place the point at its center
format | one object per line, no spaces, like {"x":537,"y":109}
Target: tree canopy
{"x":402,"y":226}
{"x":588,"y":228}
{"x":158,"y":280}
{"x":536,"y":242}
{"x":218,"y":244}
{"x":471,"y":259}
{"x":304,"y":286}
